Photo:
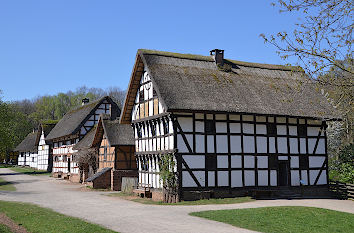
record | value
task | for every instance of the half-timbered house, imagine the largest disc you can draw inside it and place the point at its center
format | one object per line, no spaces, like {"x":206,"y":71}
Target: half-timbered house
{"x":44,"y":155}
{"x":71,"y":129}
{"x":232,"y":127}
{"x":28,"y":150}
{"x":114,"y":143}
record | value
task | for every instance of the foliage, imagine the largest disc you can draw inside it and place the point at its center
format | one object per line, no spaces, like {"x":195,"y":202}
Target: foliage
{"x":341,"y":168}
{"x":284,"y":219}
{"x":37,"y":219}
{"x":322,"y":39}
{"x":167,"y":174}
{"x":87,"y":158}
{"x":14,"y":127}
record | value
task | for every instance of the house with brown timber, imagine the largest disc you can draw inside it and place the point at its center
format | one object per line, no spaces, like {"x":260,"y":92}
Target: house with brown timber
{"x":232,"y":128}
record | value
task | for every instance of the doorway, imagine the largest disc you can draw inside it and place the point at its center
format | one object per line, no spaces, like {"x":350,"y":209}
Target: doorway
{"x":68,"y":165}
{"x":283,"y":173}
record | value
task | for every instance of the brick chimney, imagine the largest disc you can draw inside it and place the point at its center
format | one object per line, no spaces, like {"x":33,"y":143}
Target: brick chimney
{"x":218,"y":56}
{"x":85,"y":101}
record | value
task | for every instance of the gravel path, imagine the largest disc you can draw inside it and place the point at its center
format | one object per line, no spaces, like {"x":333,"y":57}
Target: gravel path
{"x":127,"y":216}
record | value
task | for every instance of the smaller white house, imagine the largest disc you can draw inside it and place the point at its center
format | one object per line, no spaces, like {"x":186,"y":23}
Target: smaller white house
{"x":28,"y":150}
{"x":34,"y":150}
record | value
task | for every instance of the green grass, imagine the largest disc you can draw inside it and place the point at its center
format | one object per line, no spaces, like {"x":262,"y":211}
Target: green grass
{"x":284,"y":219}
{"x":5,"y":229}
{"x":6,"y":186}
{"x":215,"y":201}
{"x":29,"y":171}
{"x":37,"y":219}
{"x":5,"y":166}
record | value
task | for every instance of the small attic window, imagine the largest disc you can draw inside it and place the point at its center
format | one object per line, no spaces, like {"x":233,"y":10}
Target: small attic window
{"x":271,"y":129}
{"x":166,"y":126}
{"x":141,"y":96}
{"x":302,"y":131}
{"x":138,"y":131}
{"x":154,"y":94}
{"x":209,"y":127}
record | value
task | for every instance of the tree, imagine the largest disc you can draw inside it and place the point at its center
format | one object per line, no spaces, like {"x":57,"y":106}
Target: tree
{"x":322,"y":40}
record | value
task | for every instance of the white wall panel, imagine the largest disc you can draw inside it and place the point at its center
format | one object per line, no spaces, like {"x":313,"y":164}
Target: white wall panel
{"x":313,"y":175}
{"x":222,"y":161}
{"x":200,"y":145}
{"x":316,"y":161}
{"x":235,"y":128}
{"x":186,"y":124}
{"x":294,"y":146}
{"x":235,"y":144}
{"x":249,"y":178}
{"x":262,"y":161}
{"x":323,"y":178}
{"x":248,"y":128}
{"x":210,"y":144}
{"x":211,"y":179}
{"x":236,"y":179}
{"x":234,"y":117}
{"x":249,"y":161}
{"x":262,"y":178}
{"x":199,"y":126}
{"x":321,"y":147}
{"x":271,"y":145}
{"x":304,"y":177}
{"x":220,"y":117}
{"x":295,"y":178}
{"x":261,"y":129}
{"x":261,"y":144}
{"x":181,"y":145}
{"x":312,"y":143}
{"x":221,"y":127}
{"x":195,"y":161}
{"x":248,"y":144}
{"x":223,"y":178}
{"x":273,"y":178}
{"x":221,"y":143}
{"x":281,"y":129}
{"x":282,"y":145}
{"x":294,"y":161}
{"x":236,"y":161}
{"x":302,"y":146}
{"x":293,"y":130}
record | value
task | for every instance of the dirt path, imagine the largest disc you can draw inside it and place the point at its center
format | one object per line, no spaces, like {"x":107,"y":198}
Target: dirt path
{"x":126,"y":216}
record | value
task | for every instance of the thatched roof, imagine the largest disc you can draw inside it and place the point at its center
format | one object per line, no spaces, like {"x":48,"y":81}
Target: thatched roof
{"x":118,"y":134}
{"x":73,"y":120}
{"x":86,"y":142}
{"x":192,"y":82}
{"x":29,"y":144}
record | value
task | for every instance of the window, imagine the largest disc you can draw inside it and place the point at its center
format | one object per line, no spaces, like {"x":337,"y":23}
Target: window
{"x":55,"y":144}
{"x":65,"y":158}
{"x":141,"y":95}
{"x":209,"y":127}
{"x":105,"y":154}
{"x":144,"y":165}
{"x":273,"y":161}
{"x":56,"y":159}
{"x":138,"y":131}
{"x":33,"y":160}
{"x":210,"y":162}
{"x":153,"y":129}
{"x":302,"y":130}
{"x":166,"y":126}
{"x":271,"y":129}
{"x":154,"y":94}
{"x":304,"y":162}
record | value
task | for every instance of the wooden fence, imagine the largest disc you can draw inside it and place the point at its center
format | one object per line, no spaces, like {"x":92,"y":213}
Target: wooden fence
{"x":341,"y":190}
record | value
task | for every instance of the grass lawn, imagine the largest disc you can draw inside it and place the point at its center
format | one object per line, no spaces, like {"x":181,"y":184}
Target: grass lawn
{"x":4,"y":229}
{"x":6,"y":186}
{"x":29,"y":171}
{"x":284,"y":219}
{"x":37,"y":219}
{"x":5,"y":166}
{"x":199,"y":202}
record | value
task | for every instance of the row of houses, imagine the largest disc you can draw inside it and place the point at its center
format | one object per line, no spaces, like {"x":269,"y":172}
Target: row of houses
{"x":230,"y":128}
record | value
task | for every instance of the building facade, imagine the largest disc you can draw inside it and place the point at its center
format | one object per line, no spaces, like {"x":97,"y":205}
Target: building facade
{"x":232,"y":127}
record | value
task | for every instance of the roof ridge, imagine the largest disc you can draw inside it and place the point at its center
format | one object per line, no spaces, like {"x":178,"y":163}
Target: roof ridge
{"x":210,"y":59}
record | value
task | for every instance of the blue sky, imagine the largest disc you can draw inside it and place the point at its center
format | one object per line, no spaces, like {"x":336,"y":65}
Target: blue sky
{"x":48,"y":47}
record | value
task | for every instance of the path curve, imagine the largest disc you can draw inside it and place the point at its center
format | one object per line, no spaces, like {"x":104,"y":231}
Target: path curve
{"x":127,"y":216}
